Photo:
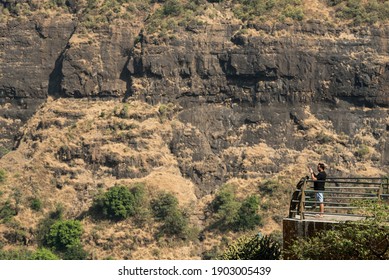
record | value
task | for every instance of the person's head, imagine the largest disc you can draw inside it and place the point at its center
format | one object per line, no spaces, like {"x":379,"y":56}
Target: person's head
{"x":321,"y":167}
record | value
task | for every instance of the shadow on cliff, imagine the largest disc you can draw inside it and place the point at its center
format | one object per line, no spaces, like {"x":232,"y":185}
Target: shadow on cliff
{"x":125,"y":75}
{"x":56,"y":76}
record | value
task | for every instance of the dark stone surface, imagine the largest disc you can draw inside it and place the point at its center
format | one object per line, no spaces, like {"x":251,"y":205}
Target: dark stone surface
{"x":229,"y":85}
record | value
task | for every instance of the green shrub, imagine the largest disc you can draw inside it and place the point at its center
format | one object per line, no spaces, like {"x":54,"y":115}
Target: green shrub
{"x":232,"y":214}
{"x":3,"y":150}
{"x":268,"y":187}
{"x":35,"y":204}
{"x":117,"y":203}
{"x":175,"y":223}
{"x":247,"y":214}
{"x":7,"y":211}
{"x":295,"y":13}
{"x":172,"y":8}
{"x":253,"y":248}
{"x":45,"y":224}
{"x":225,"y":207}
{"x":43,"y":254}
{"x":141,"y":203}
{"x":17,"y":254}
{"x":164,"y":205}
{"x":64,"y":234}
{"x":75,"y":252}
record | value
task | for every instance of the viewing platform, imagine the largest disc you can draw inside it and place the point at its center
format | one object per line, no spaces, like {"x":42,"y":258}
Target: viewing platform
{"x":345,"y":199}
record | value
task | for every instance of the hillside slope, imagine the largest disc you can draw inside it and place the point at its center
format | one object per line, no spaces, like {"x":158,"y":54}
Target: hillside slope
{"x":183,"y":97}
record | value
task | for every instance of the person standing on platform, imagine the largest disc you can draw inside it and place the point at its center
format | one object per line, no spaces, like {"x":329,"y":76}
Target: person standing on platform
{"x":319,"y":184}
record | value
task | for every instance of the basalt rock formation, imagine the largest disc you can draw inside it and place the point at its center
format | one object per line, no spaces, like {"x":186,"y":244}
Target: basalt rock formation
{"x":236,"y":88}
{"x":90,"y":101}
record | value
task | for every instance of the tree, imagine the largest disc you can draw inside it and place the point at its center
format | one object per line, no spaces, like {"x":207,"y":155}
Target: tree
{"x":247,"y":214}
{"x":64,"y":234}
{"x":165,"y":204}
{"x":117,"y":203}
{"x":232,"y":214}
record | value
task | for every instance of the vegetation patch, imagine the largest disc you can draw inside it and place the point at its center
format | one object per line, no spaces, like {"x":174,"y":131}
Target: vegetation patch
{"x":175,"y":222}
{"x":255,"y":247}
{"x":7,"y":212}
{"x":120,"y":202}
{"x":64,"y":234}
{"x":2,"y":175}
{"x":232,"y":214}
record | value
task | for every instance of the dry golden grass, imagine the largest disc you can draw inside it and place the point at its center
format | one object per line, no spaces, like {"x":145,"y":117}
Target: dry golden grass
{"x":35,"y":170}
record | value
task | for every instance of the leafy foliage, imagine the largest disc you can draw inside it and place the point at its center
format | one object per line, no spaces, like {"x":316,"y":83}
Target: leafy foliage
{"x":7,"y":211}
{"x":35,"y":204}
{"x":253,"y":248}
{"x":64,"y":234}
{"x":360,"y":12}
{"x":164,"y":205}
{"x":230,"y":213}
{"x":247,"y":214}
{"x":43,"y":254}
{"x":174,"y":221}
{"x":254,"y":10}
{"x":17,"y":254}
{"x":119,"y":202}
{"x":24,"y":254}
{"x":75,"y":252}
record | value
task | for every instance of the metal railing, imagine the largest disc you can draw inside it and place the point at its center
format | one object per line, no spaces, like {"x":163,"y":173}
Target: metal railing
{"x":341,"y":196}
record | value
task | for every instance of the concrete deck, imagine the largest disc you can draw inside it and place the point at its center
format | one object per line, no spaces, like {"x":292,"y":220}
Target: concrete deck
{"x":329,"y":218}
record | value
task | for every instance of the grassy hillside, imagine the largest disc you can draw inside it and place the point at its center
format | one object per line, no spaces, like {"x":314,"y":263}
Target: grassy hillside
{"x":106,"y":173}
{"x":72,"y":165}
{"x":162,"y":14}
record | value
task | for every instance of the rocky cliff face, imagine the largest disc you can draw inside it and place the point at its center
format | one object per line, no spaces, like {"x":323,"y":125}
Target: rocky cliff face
{"x":236,"y":86}
{"x":210,"y":104}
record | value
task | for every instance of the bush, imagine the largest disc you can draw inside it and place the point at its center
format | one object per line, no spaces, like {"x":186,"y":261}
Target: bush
{"x":18,"y":254}
{"x":164,"y":205}
{"x":24,"y":254}
{"x":229,"y":213}
{"x":293,"y":12}
{"x":44,"y":254}
{"x":247,"y":214}
{"x":7,"y":211}
{"x":75,"y":252}
{"x":175,"y":222}
{"x":268,"y":187}
{"x":121,"y":202}
{"x":226,"y":207}
{"x":35,"y":204}
{"x":64,"y":234}
{"x":172,"y":8}
{"x":117,"y":203}
{"x":253,"y":248}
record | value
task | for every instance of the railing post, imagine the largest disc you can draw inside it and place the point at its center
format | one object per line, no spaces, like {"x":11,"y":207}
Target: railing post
{"x":381,"y":189}
{"x":302,"y":200}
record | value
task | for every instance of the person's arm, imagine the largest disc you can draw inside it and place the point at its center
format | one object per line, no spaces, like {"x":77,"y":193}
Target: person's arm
{"x":313,"y":176}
